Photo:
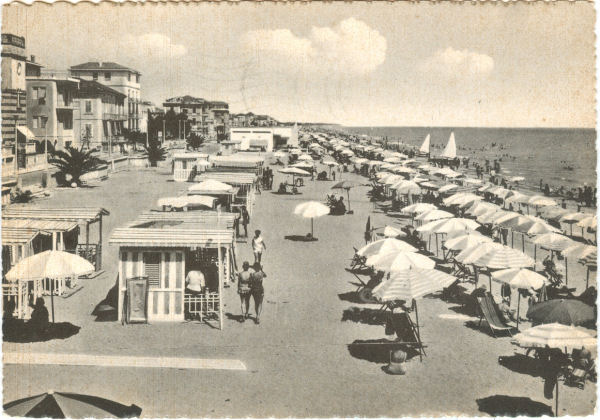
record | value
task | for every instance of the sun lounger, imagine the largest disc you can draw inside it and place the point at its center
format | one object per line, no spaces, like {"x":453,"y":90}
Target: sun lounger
{"x":491,"y":313}
{"x":462,"y":271}
{"x":357,"y":262}
{"x":406,"y":331}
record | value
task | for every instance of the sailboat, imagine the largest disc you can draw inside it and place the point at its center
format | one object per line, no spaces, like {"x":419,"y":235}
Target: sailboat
{"x":424,"y":150}
{"x":450,"y":149}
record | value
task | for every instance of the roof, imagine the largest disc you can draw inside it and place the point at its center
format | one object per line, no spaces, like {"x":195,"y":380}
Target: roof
{"x":232,"y":178}
{"x":208,"y":218}
{"x":186,"y":99}
{"x":186,"y":155}
{"x":179,"y":236}
{"x":19,"y":236}
{"x":75,"y":214}
{"x":91,"y":87}
{"x":101,"y":66}
{"x":238,"y":160}
{"x":45,"y":225}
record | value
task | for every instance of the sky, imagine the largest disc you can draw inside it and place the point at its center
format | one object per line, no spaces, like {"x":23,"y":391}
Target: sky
{"x":358,"y":64}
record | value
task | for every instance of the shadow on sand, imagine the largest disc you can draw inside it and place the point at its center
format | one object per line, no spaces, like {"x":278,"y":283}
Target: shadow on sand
{"x":520,"y":363}
{"x":106,"y":309}
{"x":351,"y":297}
{"x":507,"y":406}
{"x":17,"y":331}
{"x":233,"y":317}
{"x":300,"y":238}
{"x":378,"y":350}
{"x":365,"y":316}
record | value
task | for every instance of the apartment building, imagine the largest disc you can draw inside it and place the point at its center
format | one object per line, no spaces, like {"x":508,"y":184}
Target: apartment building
{"x":209,"y":118}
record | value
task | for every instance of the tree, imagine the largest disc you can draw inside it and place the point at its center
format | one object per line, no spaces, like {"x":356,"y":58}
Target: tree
{"x":194,"y":140}
{"x":154,"y":152}
{"x":73,"y":163}
{"x":134,"y":137}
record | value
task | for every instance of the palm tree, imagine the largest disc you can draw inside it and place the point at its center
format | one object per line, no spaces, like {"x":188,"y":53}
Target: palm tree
{"x":155,"y":152}
{"x":73,"y":163}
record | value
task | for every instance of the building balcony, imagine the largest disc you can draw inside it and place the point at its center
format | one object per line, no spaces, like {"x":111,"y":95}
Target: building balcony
{"x":113,"y":117}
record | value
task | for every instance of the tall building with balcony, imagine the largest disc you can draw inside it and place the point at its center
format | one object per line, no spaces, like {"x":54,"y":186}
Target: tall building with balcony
{"x":50,"y":107}
{"x":99,"y":117}
{"x":120,"y":78}
{"x":209,"y":118}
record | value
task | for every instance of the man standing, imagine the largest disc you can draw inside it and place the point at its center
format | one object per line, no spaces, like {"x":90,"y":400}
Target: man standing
{"x":245,"y":220}
{"x":258,"y":246}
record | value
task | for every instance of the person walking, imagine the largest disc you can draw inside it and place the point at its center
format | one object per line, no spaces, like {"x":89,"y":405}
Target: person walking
{"x":244,"y":279}
{"x":258,"y":246}
{"x":245,"y":220}
{"x":257,"y":290}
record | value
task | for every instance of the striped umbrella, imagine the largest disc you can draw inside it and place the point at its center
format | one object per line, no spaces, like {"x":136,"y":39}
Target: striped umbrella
{"x":541,"y":201}
{"x":449,"y":225}
{"x":448,"y":187}
{"x":572,"y":218}
{"x":397,"y":261}
{"x":481,"y":207}
{"x":385,"y":246}
{"x":590,"y":222}
{"x":504,"y":257}
{"x":490,"y":216}
{"x":393,"y":232}
{"x":471,"y":254}
{"x":418,"y":208}
{"x":412,"y":284}
{"x":557,"y":336}
{"x":553,"y":241}
{"x":434,"y":214}
{"x":464,"y":241}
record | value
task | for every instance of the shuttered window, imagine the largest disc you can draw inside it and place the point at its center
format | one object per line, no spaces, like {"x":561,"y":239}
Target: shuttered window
{"x":152,"y":269}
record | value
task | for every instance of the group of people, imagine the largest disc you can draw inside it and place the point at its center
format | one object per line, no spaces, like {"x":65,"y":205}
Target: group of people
{"x":250,"y":281}
{"x":243,"y":218}
{"x":267,"y":178}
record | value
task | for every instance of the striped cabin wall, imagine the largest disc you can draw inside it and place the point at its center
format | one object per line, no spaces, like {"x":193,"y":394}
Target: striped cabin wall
{"x":165,"y":302}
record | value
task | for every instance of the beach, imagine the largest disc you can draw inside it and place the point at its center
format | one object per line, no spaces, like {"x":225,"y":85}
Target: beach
{"x":298,"y":359}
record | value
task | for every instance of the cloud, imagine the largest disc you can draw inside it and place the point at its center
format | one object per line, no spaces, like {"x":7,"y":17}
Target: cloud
{"x":458,"y":63}
{"x":350,"y":47}
{"x":153,"y":45}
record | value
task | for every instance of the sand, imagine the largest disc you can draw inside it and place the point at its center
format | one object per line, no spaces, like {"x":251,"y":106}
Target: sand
{"x":298,"y":359}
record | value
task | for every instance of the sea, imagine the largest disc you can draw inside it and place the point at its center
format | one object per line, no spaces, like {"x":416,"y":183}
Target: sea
{"x":557,"y":156}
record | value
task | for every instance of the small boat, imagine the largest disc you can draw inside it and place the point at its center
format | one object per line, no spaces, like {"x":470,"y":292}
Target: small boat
{"x":424,"y":149}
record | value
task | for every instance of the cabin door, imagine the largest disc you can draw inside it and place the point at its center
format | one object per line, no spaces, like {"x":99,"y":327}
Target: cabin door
{"x":165,"y":285}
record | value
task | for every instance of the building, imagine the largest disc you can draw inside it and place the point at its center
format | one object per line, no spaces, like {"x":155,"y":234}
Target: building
{"x":99,"y":116}
{"x":252,"y":120}
{"x":208,"y":118}
{"x":264,"y":121}
{"x":265,"y":138}
{"x":120,"y":78}
{"x":50,"y":108}
{"x":147,"y":108}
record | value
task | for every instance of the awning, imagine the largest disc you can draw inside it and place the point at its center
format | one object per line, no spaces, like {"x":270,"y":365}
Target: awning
{"x":26,"y":132}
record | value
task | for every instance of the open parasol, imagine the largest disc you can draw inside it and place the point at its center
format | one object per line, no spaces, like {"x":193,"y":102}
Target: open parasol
{"x":346,"y":185}
{"x":310,"y":210}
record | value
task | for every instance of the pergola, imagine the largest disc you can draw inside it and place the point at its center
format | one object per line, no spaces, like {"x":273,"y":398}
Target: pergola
{"x":80,"y":215}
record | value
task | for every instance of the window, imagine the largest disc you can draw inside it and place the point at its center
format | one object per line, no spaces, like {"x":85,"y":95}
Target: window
{"x":129,"y":77}
{"x":88,"y":106}
{"x":43,"y":121}
{"x":152,"y":269}
{"x":107,"y":75}
{"x":67,"y":122}
{"x":35,"y":122}
{"x":137,"y":78}
{"x":39,"y":94}
{"x":95,"y":76}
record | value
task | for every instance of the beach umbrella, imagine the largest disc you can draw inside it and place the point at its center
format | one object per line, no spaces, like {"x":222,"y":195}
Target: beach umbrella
{"x":434,"y":214}
{"x":449,"y":225}
{"x":579,"y":250}
{"x":447,"y":188}
{"x":63,"y":405}
{"x":305,"y":156}
{"x":330,"y":163}
{"x":472,"y":181}
{"x":466,"y":240}
{"x":50,"y":265}
{"x":517,"y":179}
{"x":486,"y":187}
{"x":303,"y":164}
{"x":172,"y":202}
{"x":429,"y":185}
{"x":279,"y":154}
{"x":211,"y":185}
{"x":554,"y":212}
{"x":401,"y":260}
{"x":391,"y":179}
{"x":490,"y":216}
{"x":590,"y":222}
{"x":418,"y":208}
{"x":461,"y":199}
{"x":393,"y":232}
{"x":311,"y":209}
{"x":385,"y":246}
{"x":392,"y":159}
{"x":403,"y":170}
{"x":412,"y":284}
{"x":419,"y":179}
{"x":541,"y":201}
{"x":556,"y":336}
{"x":504,"y":257}
{"x":519,"y":278}
{"x":294,"y":172}
{"x":407,"y":187}
{"x":553,"y":241}
{"x":346,"y":185}
{"x":471,"y":254}
{"x":481,"y":207}
{"x":562,"y":311}
{"x":572,"y":218}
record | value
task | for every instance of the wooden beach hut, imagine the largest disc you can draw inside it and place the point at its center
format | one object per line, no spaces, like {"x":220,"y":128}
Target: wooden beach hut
{"x":82,"y":216}
{"x":239,"y":162}
{"x":244,"y":181}
{"x":154,"y":260}
{"x":183,"y":164}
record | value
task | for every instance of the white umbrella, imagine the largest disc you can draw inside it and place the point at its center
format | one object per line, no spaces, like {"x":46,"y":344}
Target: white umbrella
{"x":392,"y":159}
{"x":588,"y":222}
{"x":211,"y":185}
{"x":448,"y":187}
{"x":461,"y":198}
{"x":504,"y":257}
{"x":464,"y":241}
{"x":303,"y":164}
{"x":556,"y":336}
{"x":399,"y":261}
{"x":418,"y":208}
{"x":449,"y":225}
{"x":520,"y":278}
{"x":393,"y":232}
{"x":471,"y":254}
{"x":553,"y":241}
{"x":311,"y":209}
{"x":385,"y":246}
{"x":294,"y":172}
{"x":407,"y":187}
{"x":434,"y":214}
{"x":539,"y":200}
{"x":49,"y":265}
{"x":330,"y":163}
{"x":305,"y":157}
{"x":491,"y":216}
{"x":412,"y":284}
{"x":481,"y":207}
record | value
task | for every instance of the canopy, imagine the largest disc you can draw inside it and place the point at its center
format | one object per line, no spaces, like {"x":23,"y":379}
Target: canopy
{"x":294,"y":171}
{"x":311,"y":209}
{"x":399,"y":261}
{"x":464,"y":241}
{"x":448,"y":187}
{"x":556,"y":336}
{"x":49,"y":265}
{"x":553,"y":241}
{"x":504,"y":257}
{"x":412,"y":284}
{"x":562,"y":311}
{"x":211,"y":185}
{"x":434,"y":214}
{"x":418,"y":208}
{"x":385,"y":246}
{"x":520,"y":278}
{"x":450,"y":149}
{"x":449,"y":225}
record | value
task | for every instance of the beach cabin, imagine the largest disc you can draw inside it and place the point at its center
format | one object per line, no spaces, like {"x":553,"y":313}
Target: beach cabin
{"x":154,"y":259}
{"x":183,"y":164}
{"x":239,"y":162}
{"x":82,"y":216}
{"x":188,"y":203}
{"x":224,"y":193}
{"x":245,"y":182}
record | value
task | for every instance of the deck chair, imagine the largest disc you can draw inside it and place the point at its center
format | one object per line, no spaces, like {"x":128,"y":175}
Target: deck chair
{"x":491,"y":313}
{"x":357,"y":262}
{"x":580,"y":371}
{"x":406,"y":332}
{"x":460,"y":270}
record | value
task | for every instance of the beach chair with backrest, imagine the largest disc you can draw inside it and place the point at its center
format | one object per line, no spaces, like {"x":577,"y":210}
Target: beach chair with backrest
{"x":489,"y":310}
{"x":357,"y":262}
{"x":406,"y":332}
{"x":461,"y":271}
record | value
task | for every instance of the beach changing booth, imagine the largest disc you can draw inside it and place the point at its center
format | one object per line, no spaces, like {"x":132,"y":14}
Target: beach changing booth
{"x":184,"y":163}
{"x":224,"y":193}
{"x":65,"y":236}
{"x":155,"y":257}
{"x":244,"y":181}
{"x":239,"y":162}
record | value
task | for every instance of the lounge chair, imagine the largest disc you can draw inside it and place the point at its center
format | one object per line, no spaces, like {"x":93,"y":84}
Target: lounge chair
{"x":462,"y":271}
{"x":491,"y":313}
{"x":357,"y":262}
{"x":407,"y":332}
{"x":581,"y":370}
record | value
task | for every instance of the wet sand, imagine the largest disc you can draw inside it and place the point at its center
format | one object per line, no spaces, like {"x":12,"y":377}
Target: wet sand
{"x":298,"y":359}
